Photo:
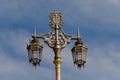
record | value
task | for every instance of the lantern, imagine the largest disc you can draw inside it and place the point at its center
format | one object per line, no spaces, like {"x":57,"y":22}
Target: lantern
{"x":35,"y":52}
{"x":79,"y":53}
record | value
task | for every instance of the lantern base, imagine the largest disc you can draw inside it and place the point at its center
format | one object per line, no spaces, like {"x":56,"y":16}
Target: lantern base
{"x":35,"y":61}
{"x":80,"y":63}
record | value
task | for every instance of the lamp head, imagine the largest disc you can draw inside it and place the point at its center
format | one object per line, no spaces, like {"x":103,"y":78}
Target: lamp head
{"x":35,"y":52}
{"x":79,"y":53}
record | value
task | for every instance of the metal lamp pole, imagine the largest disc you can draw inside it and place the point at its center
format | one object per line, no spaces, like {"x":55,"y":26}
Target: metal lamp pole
{"x":57,"y":40}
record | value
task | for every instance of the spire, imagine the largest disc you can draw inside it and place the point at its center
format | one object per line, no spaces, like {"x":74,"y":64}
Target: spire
{"x":78,"y":33}
{"x":34,"y":32}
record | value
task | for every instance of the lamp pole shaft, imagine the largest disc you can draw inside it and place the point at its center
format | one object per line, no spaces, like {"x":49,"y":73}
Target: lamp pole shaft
{"x":57,"y":63}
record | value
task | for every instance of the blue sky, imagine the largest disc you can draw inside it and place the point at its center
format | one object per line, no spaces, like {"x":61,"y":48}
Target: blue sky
{"x":99,"y":22}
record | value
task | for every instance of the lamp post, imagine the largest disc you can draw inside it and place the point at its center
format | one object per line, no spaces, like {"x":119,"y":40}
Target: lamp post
{"x":57,"y":40}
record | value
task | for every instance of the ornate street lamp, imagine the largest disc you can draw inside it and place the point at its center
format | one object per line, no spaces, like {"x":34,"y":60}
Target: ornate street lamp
{"x":57,"y":40}
{"x":79,"y":52}
{"x":35,"y":52}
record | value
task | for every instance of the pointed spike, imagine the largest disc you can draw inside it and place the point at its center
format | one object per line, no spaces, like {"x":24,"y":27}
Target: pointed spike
{"x":34,"y":33}
{"x":78,"y":33}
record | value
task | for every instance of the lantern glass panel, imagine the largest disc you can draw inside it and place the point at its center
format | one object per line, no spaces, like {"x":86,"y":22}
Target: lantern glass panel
{"x":36,"y":54}
{"x":73,"y":55}
{"x":30,"y":55}
{"x":36,"y":57}
{"x":84,"y":53}
{"x":78,"y":58}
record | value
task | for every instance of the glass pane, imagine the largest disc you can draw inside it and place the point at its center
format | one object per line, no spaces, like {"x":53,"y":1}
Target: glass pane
{"x":79,"y":56}
{"x":84,"y":53}
{"x":74,"y":56}
{"x":83,"y":56}
{"x":36,"y":54}
{"x":30,"y":54}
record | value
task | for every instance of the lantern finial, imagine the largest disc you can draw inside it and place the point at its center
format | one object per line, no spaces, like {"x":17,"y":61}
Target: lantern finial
{"x":34,"y":32}
{"x":78,"y":33}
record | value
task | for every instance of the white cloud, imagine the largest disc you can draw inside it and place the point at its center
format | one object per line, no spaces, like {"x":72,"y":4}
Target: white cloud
{"x":87,"y":13}
{"x":14,"y":41}
{"x":13,"y":59}
{"x":94,"y":14}
{"x":103,"y":63}
{"x":115,"y":2}
{"x":100,"y":61}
